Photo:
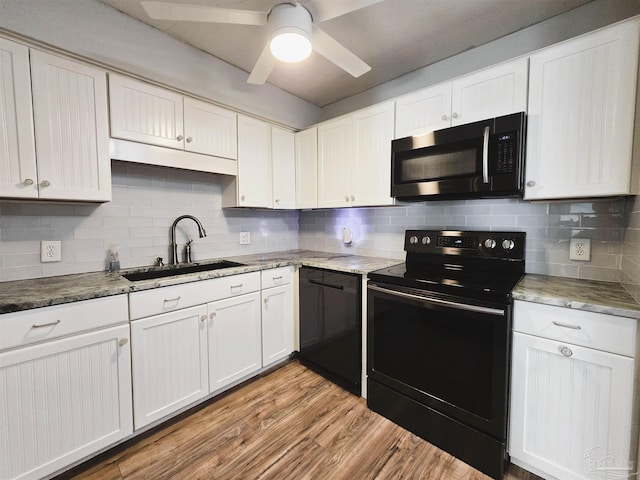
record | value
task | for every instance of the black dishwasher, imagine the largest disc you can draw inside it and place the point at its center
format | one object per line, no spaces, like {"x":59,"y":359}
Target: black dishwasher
{"x":331,"y":325}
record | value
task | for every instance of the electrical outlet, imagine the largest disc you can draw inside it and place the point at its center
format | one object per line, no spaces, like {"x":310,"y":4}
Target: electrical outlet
{"x":245,"y":238}
{"x":580,"y":249}
{"x":50,"y":251}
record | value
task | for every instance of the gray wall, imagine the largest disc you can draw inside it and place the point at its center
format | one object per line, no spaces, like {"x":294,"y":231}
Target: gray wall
{"x":591,"y":16}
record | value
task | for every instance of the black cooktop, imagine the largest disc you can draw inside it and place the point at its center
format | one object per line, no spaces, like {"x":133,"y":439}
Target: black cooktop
{"x":484,"y":265}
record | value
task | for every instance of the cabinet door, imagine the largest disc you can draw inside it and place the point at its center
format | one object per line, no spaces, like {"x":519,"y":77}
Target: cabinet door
{"x":254,"y":163}
{"x":63,"y":400}
{"x":284,"y":168}
{"x":306,"y":144}
{"x":581,"y":115}
{"x":277,"y":323}
{"x":209,"y":129}
{"x":145,"y":113}
{"x":371,"y":161}
{"x":71,"y":129}
{"x":18,"y":177}
{"x":423,"y":111}
{"x":169,"y":363}
{"x":569,"y":414}
{"x":234,"y":339}
{"x":334,"y":163}
{"x":489,"y":93}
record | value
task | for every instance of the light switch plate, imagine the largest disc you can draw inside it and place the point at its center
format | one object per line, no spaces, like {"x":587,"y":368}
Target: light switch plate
{"x":50,"y":251}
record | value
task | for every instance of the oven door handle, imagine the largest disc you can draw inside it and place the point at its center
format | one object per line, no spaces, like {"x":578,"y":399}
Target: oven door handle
{"x":447,"y":303}
{"x":485,"y":155}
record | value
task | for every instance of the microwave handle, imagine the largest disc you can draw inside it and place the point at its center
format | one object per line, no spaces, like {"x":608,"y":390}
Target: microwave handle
{"x":485,"y":155}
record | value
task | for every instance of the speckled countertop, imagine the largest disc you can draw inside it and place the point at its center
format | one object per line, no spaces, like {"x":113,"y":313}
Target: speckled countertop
{"x":600,"y":297}
{"x":42,"y":292}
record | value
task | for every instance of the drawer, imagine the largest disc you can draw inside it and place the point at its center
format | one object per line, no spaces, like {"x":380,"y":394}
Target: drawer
{"x":275,"y":277}
{"x":588,"y":329}
{"x":175,"y":297}
{"x":31,"y":326}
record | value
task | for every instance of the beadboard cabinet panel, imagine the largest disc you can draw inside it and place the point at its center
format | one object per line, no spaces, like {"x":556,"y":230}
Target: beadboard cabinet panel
{"x":306,"y":145}
{"x":71,"y":129}
{"x":18,"y":175}
{"x":284,"y":168}
{"x":209,"y":129}
{"x":423,"y":111}
{"x":63,"y":400}
{"x":254,"y":181}
{"x":334,"y":160}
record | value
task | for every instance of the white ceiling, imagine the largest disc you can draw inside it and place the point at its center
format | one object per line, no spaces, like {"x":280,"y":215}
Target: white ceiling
{"x":394,"y":37}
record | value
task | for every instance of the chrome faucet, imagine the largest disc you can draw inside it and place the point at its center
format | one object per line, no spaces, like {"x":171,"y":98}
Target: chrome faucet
{"x":174,"y":245}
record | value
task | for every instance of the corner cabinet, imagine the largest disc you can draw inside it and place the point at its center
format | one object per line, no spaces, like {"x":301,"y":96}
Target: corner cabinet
{"x":354,"y":155}
{"x":283,"y":163}
{"x":62,"y":152}
{"x":572,"y":383}
{"x":492,"y":92}
{"x":306,"y":155}
{"x":65,"y":390}
{"x":582,"y":99}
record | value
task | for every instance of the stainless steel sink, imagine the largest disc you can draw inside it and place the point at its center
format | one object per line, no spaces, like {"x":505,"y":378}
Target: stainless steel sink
{"x":173,"y":270}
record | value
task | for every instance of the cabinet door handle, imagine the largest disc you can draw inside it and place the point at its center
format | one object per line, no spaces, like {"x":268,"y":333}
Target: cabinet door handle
{"x":566,"y":351}
{"x":168,"y":300}
{"x":531,"y":183}
{"x":203,"y":318}
{"x":189,"y":139}
{"x":353,"y":198}
{"x":455,"y":115}
{"x":123,"y":342}
{"x":346,"y":198}
{"x":566,"y":325}
{"x":212,"y":315}
{"x":42,"y":325}
{"x":444,"y":117}
{"x":179,"y":138}
{"x":45,"y":183}
{"x":28,"y":182}
{"x":266,"y":300}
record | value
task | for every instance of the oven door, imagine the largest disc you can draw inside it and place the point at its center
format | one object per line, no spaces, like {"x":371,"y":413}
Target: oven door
{"x":443,"y":352}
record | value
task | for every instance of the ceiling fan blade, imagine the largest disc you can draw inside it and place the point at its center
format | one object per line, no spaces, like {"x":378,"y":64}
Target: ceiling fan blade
{"x":330,"y":49}
{"x":263,"y":67}
{"x":200,"y":13}
{"x":322,"y":10}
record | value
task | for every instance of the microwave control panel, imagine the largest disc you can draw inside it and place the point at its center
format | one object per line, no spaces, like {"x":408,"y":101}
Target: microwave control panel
{"x":506,"y":154}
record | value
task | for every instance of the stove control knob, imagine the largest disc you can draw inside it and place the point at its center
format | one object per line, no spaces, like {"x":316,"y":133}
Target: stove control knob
{"x":413,"y":240}
{"x":508,"y":244}
{"x":426,"y":240}
{"x":490,"y":243}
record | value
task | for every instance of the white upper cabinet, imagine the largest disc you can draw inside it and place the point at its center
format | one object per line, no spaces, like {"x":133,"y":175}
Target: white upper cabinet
{"x":54,"y":127}
{"x":334,"y":163}
{"x":146,"y":113}
{"x":254,"y":180}
{"x":284,"y":168}
{"x":488,"y":93}
{"x":306,"y":148}
{"x":18,"y":174}
{"x":371,"y":161}
{"x":582,"y":97}
{"x":71,"y":129}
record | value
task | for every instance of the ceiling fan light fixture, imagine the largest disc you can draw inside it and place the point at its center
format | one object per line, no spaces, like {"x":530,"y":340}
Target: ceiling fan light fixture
{"x":290,"y":45}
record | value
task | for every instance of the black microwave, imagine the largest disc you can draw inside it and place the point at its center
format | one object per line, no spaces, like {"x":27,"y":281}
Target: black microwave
{"x":480,"y":159}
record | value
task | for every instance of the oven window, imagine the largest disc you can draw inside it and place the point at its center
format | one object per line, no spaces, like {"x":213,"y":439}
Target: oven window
{"x":443,"y":352}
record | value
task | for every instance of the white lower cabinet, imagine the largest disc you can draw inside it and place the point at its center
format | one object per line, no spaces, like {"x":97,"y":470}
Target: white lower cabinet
{"x":571,"y":403}
{"x":277,"y":314}
{"x":234,"y":339}
{"x":63,"y":400}
{"x":169,"y":363}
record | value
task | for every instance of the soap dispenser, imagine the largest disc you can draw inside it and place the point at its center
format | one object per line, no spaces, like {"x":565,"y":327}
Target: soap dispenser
{"x":114,"y":259}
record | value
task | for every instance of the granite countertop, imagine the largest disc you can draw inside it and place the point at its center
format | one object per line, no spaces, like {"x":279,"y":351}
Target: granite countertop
{"x":42,"y":292}
{"x":590,"y":295}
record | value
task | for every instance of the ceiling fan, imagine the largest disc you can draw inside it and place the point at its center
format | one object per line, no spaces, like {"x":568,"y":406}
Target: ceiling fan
{"x":292,"y":27}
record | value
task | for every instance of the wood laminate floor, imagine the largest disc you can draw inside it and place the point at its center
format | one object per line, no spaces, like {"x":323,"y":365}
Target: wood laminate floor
{"x":290,"y":424}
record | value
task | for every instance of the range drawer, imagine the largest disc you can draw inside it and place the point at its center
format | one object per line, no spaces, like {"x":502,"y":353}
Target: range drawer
{"x":40,"y":324}
{"x":594,"y":330}
{"x":275,"y":277}
{"x":175,"y":297}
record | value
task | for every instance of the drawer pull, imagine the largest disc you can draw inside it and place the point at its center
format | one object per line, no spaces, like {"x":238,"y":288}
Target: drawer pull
{"x":277,"y":278}
{"x":168,"y":300}
{"x":123,"y":342}
{"x":566,"y":325}
{"x":236,"y":286}
{"x":566,"y":351}
{"x":51,"y":324}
